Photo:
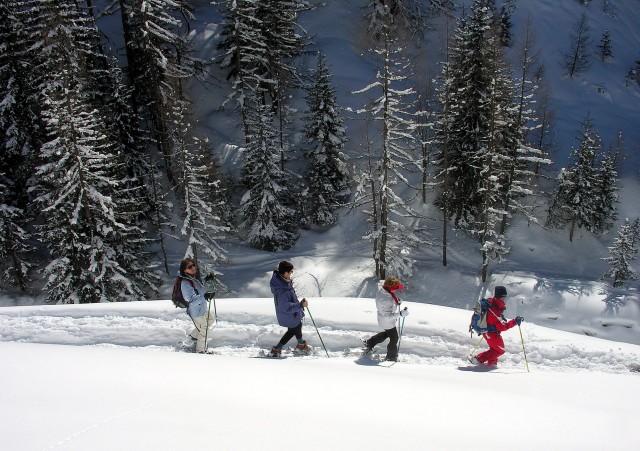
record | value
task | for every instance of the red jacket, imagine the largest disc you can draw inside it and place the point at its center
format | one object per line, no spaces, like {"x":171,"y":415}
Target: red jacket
{"x":495,"y":318}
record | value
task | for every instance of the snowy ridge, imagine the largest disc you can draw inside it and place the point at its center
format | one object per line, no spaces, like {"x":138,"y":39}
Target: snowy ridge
{"x":433,"y":335}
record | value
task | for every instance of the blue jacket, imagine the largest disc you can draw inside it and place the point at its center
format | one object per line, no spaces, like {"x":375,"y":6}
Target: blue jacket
{"x":194,"y":295}
{"x":288,"y":309}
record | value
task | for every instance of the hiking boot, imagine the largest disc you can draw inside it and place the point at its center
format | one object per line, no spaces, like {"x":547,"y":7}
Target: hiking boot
{"x":275,"y":352}
{"x":303,"y":347}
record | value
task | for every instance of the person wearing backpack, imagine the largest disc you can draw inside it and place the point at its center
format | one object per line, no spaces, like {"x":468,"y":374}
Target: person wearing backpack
{"x":497,"y":322}
{"x":194,"y":293}
{"x":289,"y":310}
{"x":388,"y":306}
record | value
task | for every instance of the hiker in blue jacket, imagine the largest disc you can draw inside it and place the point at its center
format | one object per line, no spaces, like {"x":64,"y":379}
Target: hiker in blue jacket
{"x":194,"y":292}
{"x":289,"y":310}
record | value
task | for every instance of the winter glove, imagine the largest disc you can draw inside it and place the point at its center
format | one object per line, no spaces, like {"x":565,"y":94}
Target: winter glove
{"x":304,"y":303}
{"x":209,"y":278}
{"x":210,"y":295}
{"x":519,"y":319}
{"x":404,"y":312}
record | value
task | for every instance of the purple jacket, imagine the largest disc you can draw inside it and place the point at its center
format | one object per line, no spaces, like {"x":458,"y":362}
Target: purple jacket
{"x":288,"y":309}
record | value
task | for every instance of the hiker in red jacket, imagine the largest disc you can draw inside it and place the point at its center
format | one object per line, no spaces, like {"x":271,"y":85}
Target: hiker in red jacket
{"x":499,"y":323}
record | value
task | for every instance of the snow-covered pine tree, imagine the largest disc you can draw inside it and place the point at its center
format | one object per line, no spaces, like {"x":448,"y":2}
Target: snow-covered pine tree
{"x":86,"y":218}
{"x":284,"y":44}
{"x":21,"y":131}
{"x":15,"y":267}
{"x":198,"y":184}
{"x":442,"y":128}
{"x":244,"y":54}
{"x":21,"y":127}
{"x":577,"y":59}
{"x":606,"y":194}
{"x":542,"y":137}
{"x":605,"y":47}
{"x":327,"y":176}
{"x":500,"y":169}
{"x":574,"y":198}
{"x":406,"y":18}
{"x":622,"y":253}
{"x":506,"y":39}
{"x":523,"y":158}
{"x":268,"y":222}
{"x":398,"y":230}
{"x":158,"y":59}
{"x":464,"y":126}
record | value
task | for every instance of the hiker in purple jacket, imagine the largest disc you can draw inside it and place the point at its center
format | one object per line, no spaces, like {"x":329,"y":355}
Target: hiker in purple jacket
{"x":289,"y":310}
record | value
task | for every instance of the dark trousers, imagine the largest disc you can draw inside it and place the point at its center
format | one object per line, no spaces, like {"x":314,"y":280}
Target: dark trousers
{"x":392,"y":347}
{"x":291,"y":331}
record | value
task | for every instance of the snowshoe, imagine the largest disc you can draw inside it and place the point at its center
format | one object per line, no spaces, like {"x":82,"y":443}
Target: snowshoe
{"x":303,"y":349}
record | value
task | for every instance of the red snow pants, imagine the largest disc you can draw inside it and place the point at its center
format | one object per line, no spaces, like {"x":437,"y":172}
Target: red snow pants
{"x":496,"y":349}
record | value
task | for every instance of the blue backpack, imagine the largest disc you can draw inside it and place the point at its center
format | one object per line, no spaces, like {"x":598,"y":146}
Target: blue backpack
{"x":479,"y":318}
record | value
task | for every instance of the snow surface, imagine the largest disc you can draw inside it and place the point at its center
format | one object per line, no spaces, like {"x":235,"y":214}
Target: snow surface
{"x":115,"y":376}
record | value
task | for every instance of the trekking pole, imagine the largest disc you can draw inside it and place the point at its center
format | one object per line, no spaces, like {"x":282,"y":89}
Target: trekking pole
{"x":524,"y":351}
{"x":401,"y":329}
{"x":474,"y":349}
{"x":317,"y":331}
{"x":206,"y":331}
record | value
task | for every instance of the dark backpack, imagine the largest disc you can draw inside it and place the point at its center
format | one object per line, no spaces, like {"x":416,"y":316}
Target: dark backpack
{"x":176,"y":297}
{"x":479,"y":318}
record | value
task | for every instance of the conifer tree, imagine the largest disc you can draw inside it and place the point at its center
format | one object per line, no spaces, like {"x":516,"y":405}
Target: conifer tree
{"x":244,"y":54}
{"x":394,"y":108}
{"x":574,"y":201}
{"x":576,"y":60}
{"x":605,"y":195}
{"x":267,"y":220}
{"x":158,"y":59}
{"x":15,"y":267}
{"x":605,"y":51}
{"x":622,"y":253}
{"x":202,"y":225}
{"x":86,"y":213}
{"x":327,"y":176}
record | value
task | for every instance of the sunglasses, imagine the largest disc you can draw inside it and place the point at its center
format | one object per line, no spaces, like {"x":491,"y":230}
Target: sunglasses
{"x":191,"y":266}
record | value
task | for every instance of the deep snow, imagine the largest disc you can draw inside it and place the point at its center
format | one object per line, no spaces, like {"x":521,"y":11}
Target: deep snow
{"x":113,"y":376}
{"x":105,"y":377}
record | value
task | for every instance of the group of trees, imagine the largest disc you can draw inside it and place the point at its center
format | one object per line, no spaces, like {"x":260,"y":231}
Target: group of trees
{"x":100,"y":161}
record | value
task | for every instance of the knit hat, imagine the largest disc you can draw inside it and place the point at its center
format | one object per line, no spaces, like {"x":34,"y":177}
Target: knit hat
{"x":500,"y":292}
{"x":393,"y":283}
{"x":284,"y":266}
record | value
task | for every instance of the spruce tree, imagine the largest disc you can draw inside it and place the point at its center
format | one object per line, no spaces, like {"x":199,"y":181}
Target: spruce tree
{"x":605,"y":195}
{"x":622,"y":253}
{"x":327,"y":176}
{"x":15,"y":266}
{"x":244,"y":54}
{"x":87,"y":212}
{"x":605,"y":51}
{"x":202,"y":226}
{"x":574,"y":199}
{"x":268,"y":222}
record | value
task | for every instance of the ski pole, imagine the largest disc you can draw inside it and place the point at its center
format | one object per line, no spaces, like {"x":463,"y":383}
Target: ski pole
{"x":317,"y":331}
{"x":524,"y":351}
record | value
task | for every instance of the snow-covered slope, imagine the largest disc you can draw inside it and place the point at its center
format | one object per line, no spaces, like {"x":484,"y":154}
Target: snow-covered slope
{"x":110,"y":376}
